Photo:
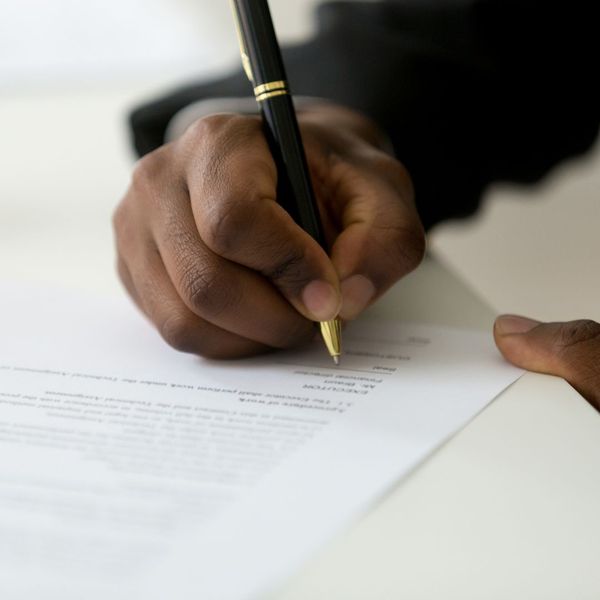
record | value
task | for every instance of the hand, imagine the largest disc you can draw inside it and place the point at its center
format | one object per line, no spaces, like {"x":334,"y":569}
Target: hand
{"x":570,"y":350}
{"x":223,"y":271}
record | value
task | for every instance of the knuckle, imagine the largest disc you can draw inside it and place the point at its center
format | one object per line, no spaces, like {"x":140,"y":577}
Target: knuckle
{"x":578,"y":344}
{"x":227,"y":224}
{"x":207,"y":127}
{"x":146,"y":171}
{"x":210,"y":141}
{"x":153,"y":180}
{"x":288,"y":268}
{"x":144,"y":189}
{"x":208,"y":291}
{"x":577,"y":334}
{"x":218,"y":126}
{"x":578,"y":349}
{"x":229,"y":228}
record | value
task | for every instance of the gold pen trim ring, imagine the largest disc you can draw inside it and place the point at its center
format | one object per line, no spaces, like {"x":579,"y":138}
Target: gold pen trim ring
{"x":270,"y":86}
{"x":270,"y":90}
{"x":267,"y":95}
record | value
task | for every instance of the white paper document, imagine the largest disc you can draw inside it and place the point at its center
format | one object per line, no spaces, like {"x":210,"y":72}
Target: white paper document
{"x":129,"y":470}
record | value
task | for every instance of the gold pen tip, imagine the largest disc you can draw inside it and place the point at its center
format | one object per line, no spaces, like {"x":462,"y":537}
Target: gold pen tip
{"x":332,"y":332}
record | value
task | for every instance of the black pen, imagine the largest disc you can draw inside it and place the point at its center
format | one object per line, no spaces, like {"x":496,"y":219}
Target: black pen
{"x":262,"y":61}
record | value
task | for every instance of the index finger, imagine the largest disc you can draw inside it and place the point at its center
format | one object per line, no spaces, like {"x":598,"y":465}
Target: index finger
{"x":234,"y":200}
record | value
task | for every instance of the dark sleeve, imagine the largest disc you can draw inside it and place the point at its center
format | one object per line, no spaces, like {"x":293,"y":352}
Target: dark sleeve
{"x":469,"y":91}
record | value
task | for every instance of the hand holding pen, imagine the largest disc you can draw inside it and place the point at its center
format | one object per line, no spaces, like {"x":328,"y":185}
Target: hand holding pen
{"x":262,"y":62}
{"x":219,"y":266}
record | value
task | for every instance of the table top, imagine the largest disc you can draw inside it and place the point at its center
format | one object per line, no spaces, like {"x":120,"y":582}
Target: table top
{"x":505,"y":509}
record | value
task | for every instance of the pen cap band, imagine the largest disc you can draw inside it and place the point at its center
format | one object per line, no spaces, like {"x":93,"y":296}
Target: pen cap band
{"x":264,"y":91}
{"x":260,"y":41}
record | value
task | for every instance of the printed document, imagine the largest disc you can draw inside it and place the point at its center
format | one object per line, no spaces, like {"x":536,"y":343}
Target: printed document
{"x":129,"y":470}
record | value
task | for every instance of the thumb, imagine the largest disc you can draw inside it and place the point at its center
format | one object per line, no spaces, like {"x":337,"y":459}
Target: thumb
{"x":570,"y":350}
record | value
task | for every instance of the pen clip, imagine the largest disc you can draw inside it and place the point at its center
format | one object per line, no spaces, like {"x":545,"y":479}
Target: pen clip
{"x":243,"y":52}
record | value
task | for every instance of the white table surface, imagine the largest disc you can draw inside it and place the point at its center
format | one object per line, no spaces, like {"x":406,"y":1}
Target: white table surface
{"x":507,"y":509}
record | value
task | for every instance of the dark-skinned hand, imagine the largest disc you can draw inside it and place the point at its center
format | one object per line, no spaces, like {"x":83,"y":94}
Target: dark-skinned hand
{"x":570,"y":350}
{"x":222,"y":270}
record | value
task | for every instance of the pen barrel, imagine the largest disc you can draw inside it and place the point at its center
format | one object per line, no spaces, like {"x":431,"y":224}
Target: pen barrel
{"x":261,"y":42}
{"x":294,"y":188}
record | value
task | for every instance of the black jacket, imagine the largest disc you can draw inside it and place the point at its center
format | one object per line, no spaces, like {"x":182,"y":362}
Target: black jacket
{"x":469,"y":91}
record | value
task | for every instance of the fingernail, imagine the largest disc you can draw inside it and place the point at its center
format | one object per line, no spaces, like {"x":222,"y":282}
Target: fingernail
{"x":321,"y":300}
{"x":510,"y":324}
{"x":357,"y":292}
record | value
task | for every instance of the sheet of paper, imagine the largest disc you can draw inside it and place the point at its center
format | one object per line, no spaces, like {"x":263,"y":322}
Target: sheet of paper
{"x":128,"y":470}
